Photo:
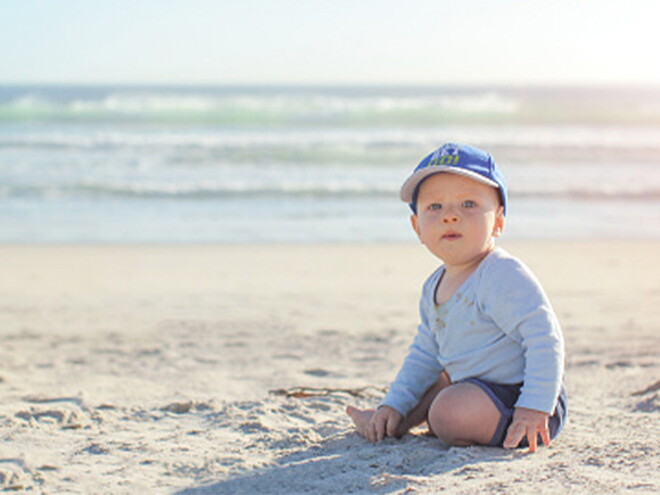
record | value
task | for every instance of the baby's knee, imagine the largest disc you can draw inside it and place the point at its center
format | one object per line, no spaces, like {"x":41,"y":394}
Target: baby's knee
{"x":444,"y":420}
{"x":463,"y":415}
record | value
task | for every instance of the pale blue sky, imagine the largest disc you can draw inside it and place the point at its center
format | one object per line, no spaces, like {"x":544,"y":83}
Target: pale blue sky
{"x":329,"y":42}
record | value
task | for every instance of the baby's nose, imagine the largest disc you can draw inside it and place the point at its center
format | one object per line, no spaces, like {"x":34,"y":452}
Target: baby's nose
{"x":450,"y":218}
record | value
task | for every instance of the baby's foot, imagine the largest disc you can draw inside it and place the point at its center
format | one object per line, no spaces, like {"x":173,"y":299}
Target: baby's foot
{"x":360,"y":417}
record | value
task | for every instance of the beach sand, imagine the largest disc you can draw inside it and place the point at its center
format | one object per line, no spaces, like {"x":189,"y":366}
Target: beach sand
{"x":155,"y":369}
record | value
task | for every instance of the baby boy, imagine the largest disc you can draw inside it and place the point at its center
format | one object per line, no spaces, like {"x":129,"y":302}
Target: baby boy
{"x":486,"y":365}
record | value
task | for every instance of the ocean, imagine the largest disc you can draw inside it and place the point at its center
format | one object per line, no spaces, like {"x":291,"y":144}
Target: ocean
{"x":165,"y":164}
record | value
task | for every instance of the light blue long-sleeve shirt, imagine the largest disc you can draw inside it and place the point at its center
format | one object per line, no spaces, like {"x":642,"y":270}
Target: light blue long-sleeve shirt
{"x":499,"y":326}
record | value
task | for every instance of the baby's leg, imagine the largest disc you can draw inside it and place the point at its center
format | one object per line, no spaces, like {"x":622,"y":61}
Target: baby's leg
{"x":360,"y":417}
{"x":416,"y":417}
{"x":463,"y":414}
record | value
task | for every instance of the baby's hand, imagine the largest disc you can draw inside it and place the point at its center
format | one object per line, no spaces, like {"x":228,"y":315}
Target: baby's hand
{"x":527,"y":423}
{"x":384,"y":422}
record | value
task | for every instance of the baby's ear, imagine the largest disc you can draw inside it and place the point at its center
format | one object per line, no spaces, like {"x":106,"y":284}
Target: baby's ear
{"x":414,"y":221}
{"x":499,"y":222}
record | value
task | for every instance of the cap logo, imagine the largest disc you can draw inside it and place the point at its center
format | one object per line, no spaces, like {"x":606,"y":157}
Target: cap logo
{"x":447,"y":155}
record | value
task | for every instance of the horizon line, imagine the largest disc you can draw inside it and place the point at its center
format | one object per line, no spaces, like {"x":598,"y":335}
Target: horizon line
{"x":345,"y":84}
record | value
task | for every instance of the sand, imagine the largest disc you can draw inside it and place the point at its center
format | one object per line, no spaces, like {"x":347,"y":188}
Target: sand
{"x":151,"y":369}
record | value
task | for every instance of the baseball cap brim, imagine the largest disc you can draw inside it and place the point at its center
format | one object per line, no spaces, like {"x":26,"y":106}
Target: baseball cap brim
{"x":408,"y":188}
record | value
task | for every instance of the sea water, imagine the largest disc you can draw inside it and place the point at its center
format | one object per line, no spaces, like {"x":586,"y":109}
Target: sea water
{"x":315,"y":164}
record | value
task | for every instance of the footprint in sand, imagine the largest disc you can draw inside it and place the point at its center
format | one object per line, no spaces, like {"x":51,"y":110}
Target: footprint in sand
{"x":650,"y":404}
{"x":15,"y":475}
{"x":69,"y":412}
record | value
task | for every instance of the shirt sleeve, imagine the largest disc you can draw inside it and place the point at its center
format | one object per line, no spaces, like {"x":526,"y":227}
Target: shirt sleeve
{"x":420,"y":368}
{"x":515,"y":300}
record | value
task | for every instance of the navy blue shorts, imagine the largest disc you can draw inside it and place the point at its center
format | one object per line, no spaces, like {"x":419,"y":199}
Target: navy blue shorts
{"x":505,"y":397}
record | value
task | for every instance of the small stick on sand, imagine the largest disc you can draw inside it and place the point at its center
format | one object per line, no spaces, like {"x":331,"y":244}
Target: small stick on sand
{"x":300,"y":392}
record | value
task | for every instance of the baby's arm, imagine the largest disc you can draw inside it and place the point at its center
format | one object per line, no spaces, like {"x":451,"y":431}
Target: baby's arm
{"x":420,"y":369}
{"x":527,"y":423}
{"x":522,"y":310}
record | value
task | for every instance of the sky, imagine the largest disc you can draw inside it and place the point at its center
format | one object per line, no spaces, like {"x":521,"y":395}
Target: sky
{"x":329,"y":42}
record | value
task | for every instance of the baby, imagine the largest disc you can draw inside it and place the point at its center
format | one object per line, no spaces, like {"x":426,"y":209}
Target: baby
{"x":486,"y":365}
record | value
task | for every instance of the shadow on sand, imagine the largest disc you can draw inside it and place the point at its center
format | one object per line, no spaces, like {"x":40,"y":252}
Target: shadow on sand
{"x":346,"y":463}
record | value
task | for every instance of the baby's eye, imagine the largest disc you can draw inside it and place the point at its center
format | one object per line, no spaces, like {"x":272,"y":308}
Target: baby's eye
{"x":435,"y":206}
{"x":469,"y":204}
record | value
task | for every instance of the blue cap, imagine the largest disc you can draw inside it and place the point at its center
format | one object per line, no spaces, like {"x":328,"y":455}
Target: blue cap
{"x":457,"y":159}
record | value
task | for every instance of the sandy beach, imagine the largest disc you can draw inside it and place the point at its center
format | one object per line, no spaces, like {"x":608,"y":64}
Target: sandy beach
{"x":227,"y":368}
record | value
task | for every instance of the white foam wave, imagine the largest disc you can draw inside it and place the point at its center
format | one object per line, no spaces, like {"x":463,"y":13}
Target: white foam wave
{"x":315,"y":103}
{"x":558,"y":137}
{"x":137,"y":104}
{"x":349,"y":188}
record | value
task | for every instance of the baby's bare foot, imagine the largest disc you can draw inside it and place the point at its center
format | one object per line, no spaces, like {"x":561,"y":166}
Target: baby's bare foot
{"x":360,"y":417}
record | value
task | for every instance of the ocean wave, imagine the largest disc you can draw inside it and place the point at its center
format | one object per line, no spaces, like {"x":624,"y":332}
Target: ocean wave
{"x":250,"y":108}
{"x":187,"y":192}
{"x":329,"y":190}
{"x":590,"y":194}
{"x":347,"y":106}
{"x":512,"y":140}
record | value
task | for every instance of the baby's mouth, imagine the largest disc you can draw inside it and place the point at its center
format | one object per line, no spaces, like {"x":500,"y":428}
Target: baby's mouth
{"x":451,"y":236}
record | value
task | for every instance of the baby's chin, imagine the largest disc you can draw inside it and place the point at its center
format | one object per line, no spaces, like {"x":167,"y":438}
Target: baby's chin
{"x":452,"y":252}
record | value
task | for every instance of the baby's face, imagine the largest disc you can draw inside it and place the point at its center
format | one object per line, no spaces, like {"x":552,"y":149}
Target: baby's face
{"x":457,"y":218}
